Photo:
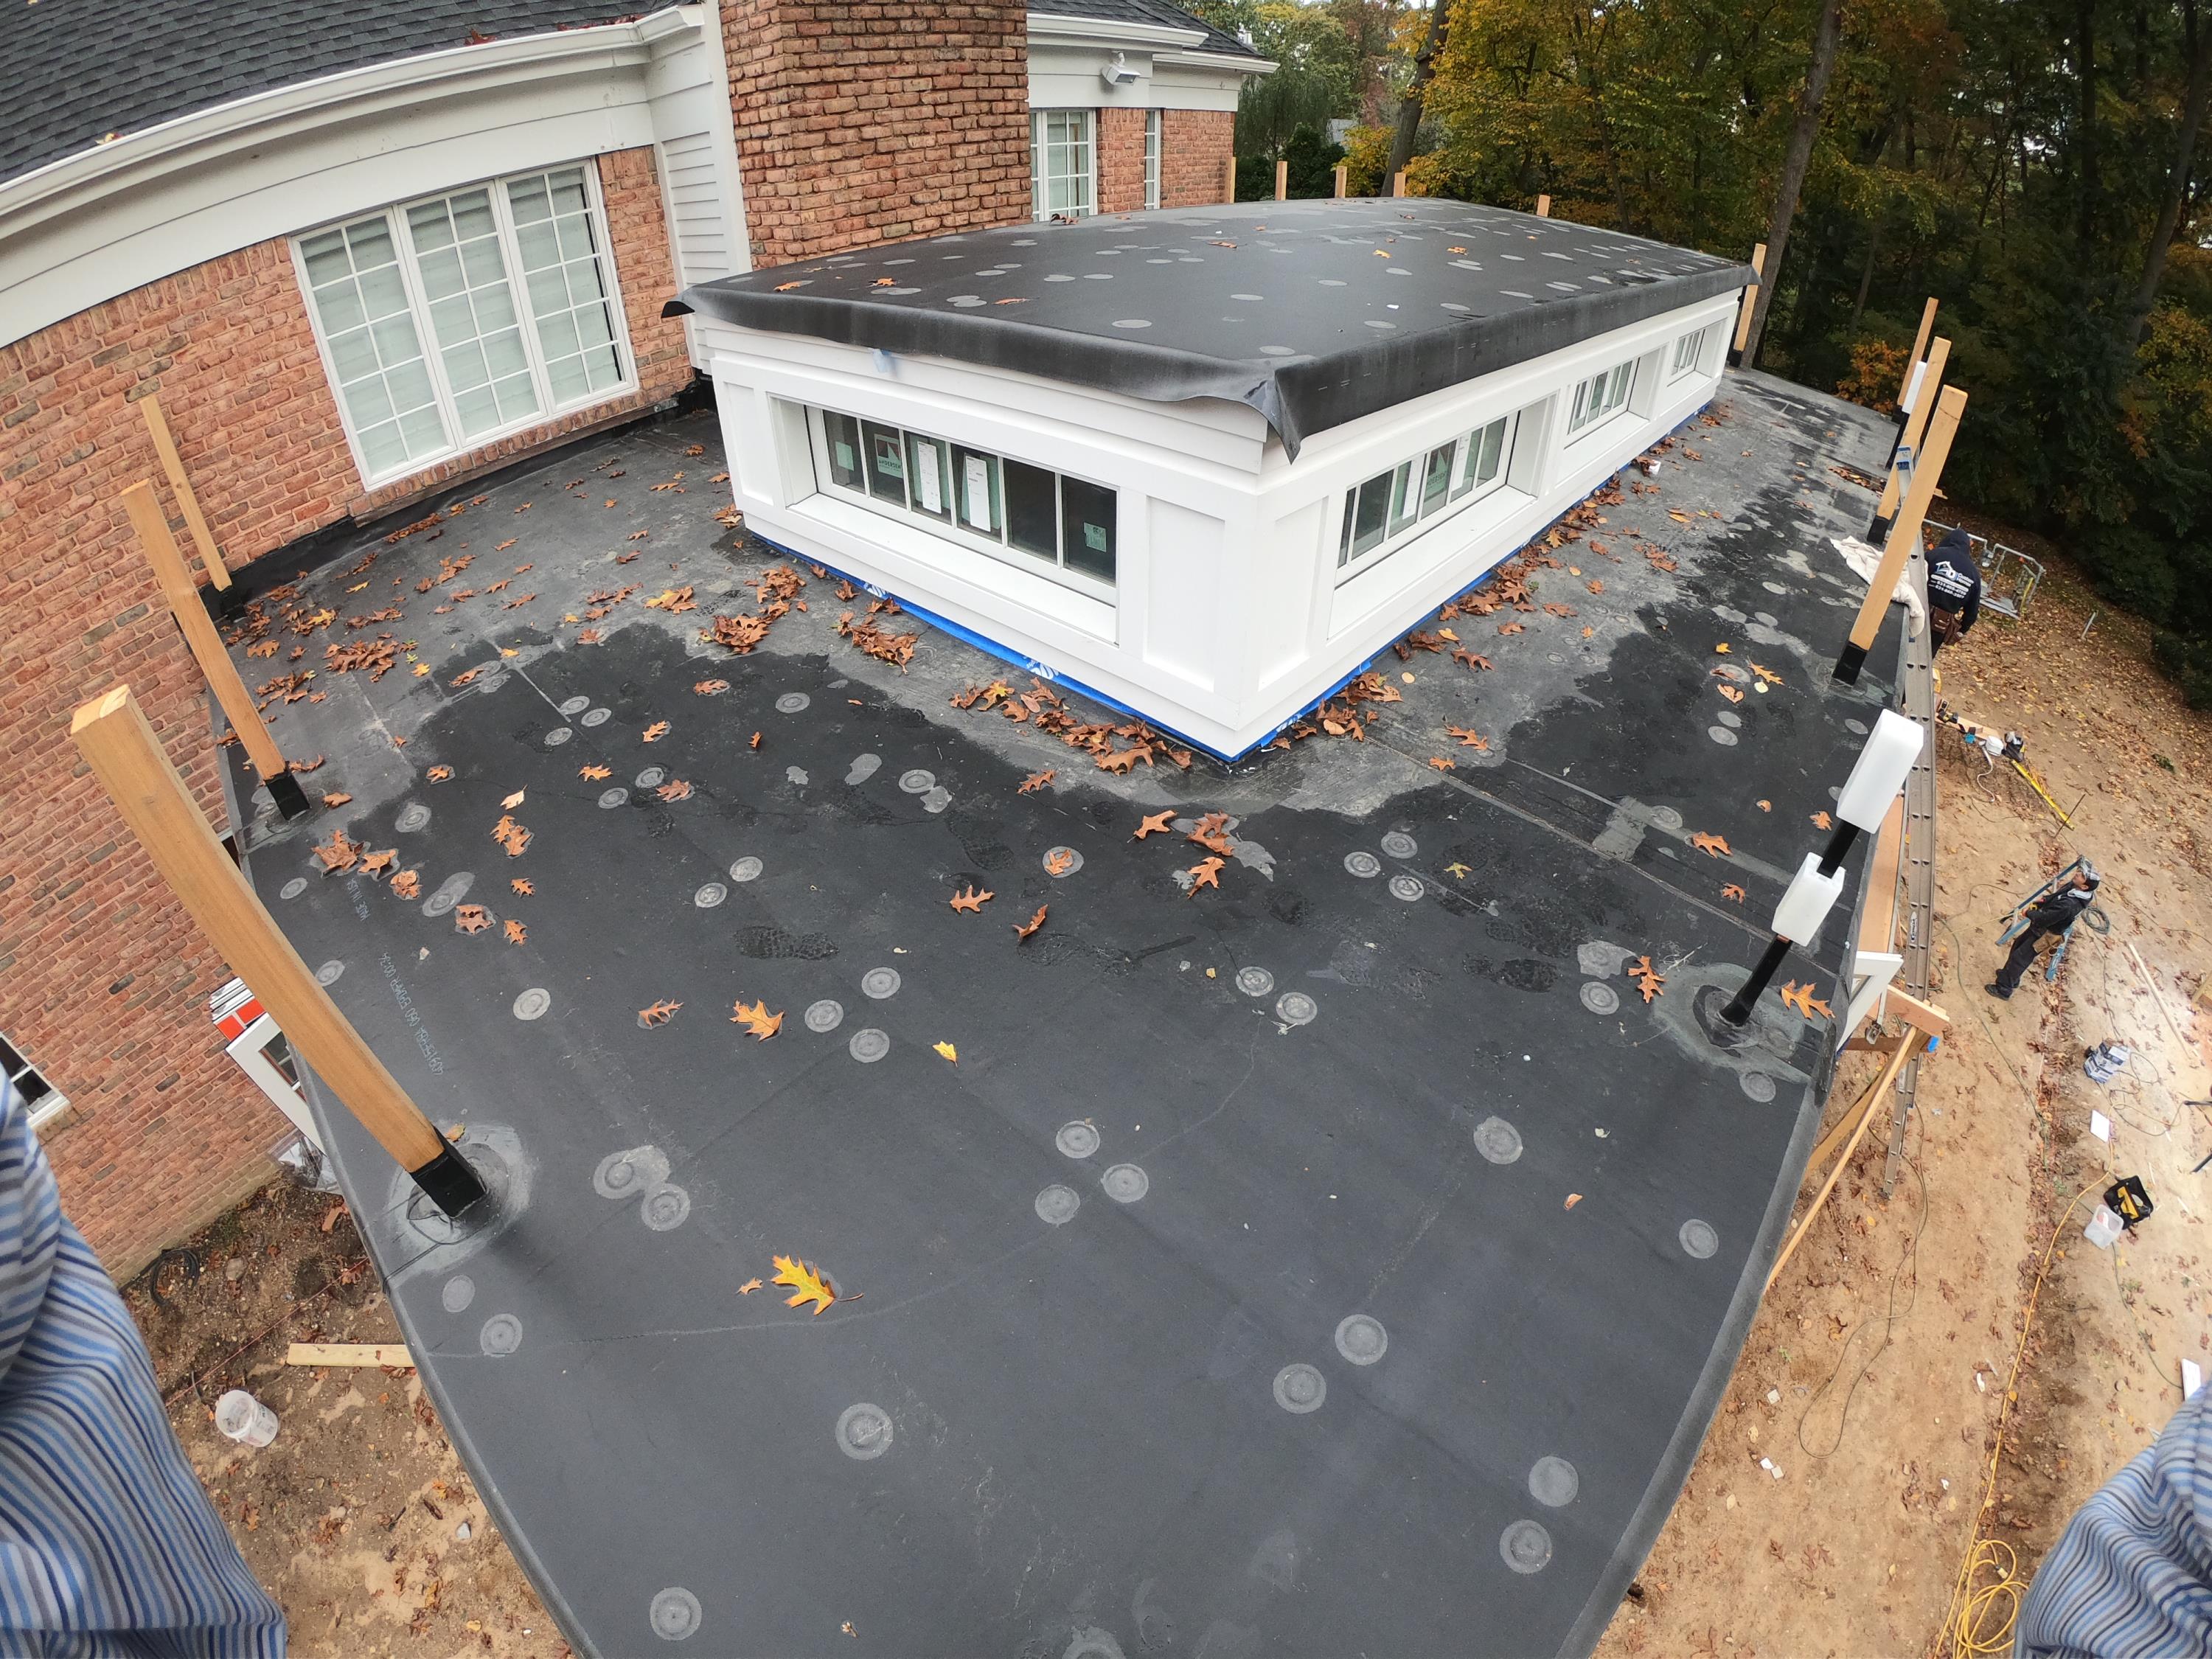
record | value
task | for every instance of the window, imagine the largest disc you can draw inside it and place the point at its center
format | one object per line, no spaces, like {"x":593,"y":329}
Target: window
{"x":448,"y":321}
{"x":1030,"y":512}
{"x":1151,"y":158}
{"x":1431,"y":483}
{"x":1060,"y":163}
{"x":1689,"y":350}
{"x":41,"y":1099}
{"x":1599,"y":396}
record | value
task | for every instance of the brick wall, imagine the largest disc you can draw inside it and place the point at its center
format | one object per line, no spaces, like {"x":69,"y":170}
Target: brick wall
{"x":103,"y":979}
{"x":1121,"y":160}
{"x":1195,"y":149}
{"x":867,"y":121}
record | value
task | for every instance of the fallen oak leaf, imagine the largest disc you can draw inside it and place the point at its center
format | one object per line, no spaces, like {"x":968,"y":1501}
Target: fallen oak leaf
{"x":516,"y":933}
{"x":1729,"y":692}
{"x":470,"y":918}
{"x":711,"y":688}
{"x":1036,"y":781}
{"x":749,"y":1287}
{"x":658,"y":1013}
{"x":407,"y":884}
{"x":1206,"y":873}
{"x":757,"y":1019}
{"x":1648,"y":979}
{"x":1468,"y":737}
{"x":1023,"y":931}
{"x":807,"y":1283}
{"x":1822,"y":821}
{"x":1573,"y":1198}
{"x":514,"y":799}
{"x":1765,"y":806}
{"x":523,"y":885}
{"x":1059,"y":863}
{"x":1722,"y":649}
{"x":596,"y":774}
{"x":946,"y":1049}
{"x":656,"y":731}
{"x":1509,"y":628}
{"x":972,"y":900}
{"x":1711,"y":845}
{"x":1154,"y":824}
{"x":1733,"y":892}
{"x":375,"y":864}
{"x":336,"y":799}
{"x":1441,"y":764}
{"x":675,"y":789}
{"x":1471,"y":659}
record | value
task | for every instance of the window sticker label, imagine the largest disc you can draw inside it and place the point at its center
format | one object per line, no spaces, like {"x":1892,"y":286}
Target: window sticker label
{"x":979,"y":493}
{"x":844,"y":451}
{"x":1094,"y":537}
{"x":888,"y":459}
{"x":928,"y":482}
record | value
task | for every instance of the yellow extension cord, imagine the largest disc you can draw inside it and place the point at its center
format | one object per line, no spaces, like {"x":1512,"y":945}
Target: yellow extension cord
{"x":1980,"y":1619}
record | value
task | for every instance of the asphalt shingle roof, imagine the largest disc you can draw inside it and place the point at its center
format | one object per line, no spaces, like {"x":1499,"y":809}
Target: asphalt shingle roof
{"x":72,"y":71}
{"x":1147,"y":11}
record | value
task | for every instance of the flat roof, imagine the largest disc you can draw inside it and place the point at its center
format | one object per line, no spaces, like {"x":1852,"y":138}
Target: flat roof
{"x":1342,"y":1257}
{"x":1313,"y":313}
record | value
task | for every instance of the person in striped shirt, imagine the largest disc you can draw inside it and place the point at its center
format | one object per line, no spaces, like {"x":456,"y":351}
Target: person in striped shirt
{"x":108,"y":1545}
{"x":2132,"y":1572}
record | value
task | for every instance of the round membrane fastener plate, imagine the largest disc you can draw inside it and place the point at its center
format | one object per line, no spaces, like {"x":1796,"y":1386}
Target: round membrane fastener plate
{"x":868,"y":1045}
{"x":1060,"y":861}
{"x":710,"y":894}
{"x":557,"y":735}
{"x":329,"y":972}
{"x":596,"y":717}
{"x":574,"y":705}
{"x":792,"y":702}
{"x":1599,"y":998}
{"x":1552,"y":1482}
{"x":1526,"y":1546}
{"x":864,"y":1431}
{"x":532,"y":1003}
{"x":824,"y":1015}
{"x":917,"y":782}
{"x":457,"y":1293}
{"x":1300,"y":1388}
{"x":880,"y":982}
{"x":650,"y":778}
{"x":294,"y":888}
{"x":1362,"y":863}
{"x":1077,"y":1139}
{"x":1361,"y":1339}
{"x":1125,"y":1183}
{"x":412,"y":817}
{"x":501,"y":1335}
{"x":1757,"y":1085}
{"x":745,"y":869}
{"x":1408,"y":888}
{"x":1295,"y":1008}
{"x":610,"y":798}
{"x":674,"y":1614}
{"x":1699,"y":1239}
{"x":1056,"y":1205}
{"x":1254,"y":982}
{"x":1399,"y":844}
{"x":665,"y":1206}
{"x":1497,"y":1140}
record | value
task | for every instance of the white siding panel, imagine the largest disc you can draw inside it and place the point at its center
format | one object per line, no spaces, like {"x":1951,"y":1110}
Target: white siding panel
{"x":698,"y":224}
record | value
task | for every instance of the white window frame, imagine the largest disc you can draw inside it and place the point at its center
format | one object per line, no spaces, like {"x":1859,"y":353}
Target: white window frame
{"x":993,"y":545}
{"x":1153,"y":122}
{"x":51,"y":1103}
{"x":1408,"y":515}
{"x":1597,"y":399}
{"x":1041,"y":149}
{"x":1689,"y":352}
{"x":394,"y":216}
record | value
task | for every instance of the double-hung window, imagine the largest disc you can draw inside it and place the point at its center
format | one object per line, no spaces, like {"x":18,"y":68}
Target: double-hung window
{"x":447,"y":322}
{"x":1435,"y":482}
{"x":1599,"y":396}
{"x":1689,"y":350}
{"x":41,"y":1099}
{"x":1151,"y":158}
{"x":1061,"y":155}
{"x":1003,"y":506}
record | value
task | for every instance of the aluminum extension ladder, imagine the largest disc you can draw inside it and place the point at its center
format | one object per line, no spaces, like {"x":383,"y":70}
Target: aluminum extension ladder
{"x":1917,"y":869}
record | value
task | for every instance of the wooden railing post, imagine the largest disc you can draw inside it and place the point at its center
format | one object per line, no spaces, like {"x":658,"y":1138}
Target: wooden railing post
{"x":223,"y":599}
{"x":198,"y":628}
{"x":1282,"y":181}
{"x":1748,"y":304}
{"x":1398,"y":182}
{"x":1919,"y":346}
{"x":1908,"y":439}
{"x":1229,"y":180}
{"x":1341,"y":173}
{"x":111,"y":733}
{"x":1543,"y":207}
{"x":1904,"y":534}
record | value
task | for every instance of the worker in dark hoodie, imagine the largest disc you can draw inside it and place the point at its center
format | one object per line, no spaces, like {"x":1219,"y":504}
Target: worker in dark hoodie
{"x":1954,"y":589}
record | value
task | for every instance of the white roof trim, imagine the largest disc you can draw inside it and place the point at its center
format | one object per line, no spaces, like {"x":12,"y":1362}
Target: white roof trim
{"x":139,"y":157}
{"x":1106,"y":31}
{"x":1218,"y":60}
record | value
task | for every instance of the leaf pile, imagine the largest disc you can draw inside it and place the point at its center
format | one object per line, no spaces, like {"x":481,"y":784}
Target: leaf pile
{"x":879,"y":642}
{"x":1041,"y":707}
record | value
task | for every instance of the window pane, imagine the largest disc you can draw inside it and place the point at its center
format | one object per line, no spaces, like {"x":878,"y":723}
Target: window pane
{"x":381,"y":377}
{"x":1374,"y":510}
{"x":472,"y":271}
{"x":326,"y":258}
{"x":1343,"y":538}
{"x":843,"y":433}
{"x":1032,"y":518}
{"x":1401,"y":498}
{"x":1494,"y":451}
{"x":886,"y":464}
{"x":1086,"y":513}
{"x":430,"y":225}
{"x":1437,"y":479}
{"x":975,"y":482}
{"x":605,"y":367}
{"x":558,"y":237}
{"x":472,"y":215}
{"x":382,"y":447}
{"x":933,"y":490}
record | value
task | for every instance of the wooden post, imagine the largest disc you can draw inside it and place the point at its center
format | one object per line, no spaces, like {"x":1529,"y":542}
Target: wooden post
{"x":1341,"y":173}
{"x":111,"y":733}
{"x":1398,"y":183}
{"x":224,"y":597}
{"x":1543,"y":207}
{"x":1282,"y":181}
{"x":1229,"y":180}
{"x":198,"y":628}
{"x":1903,"y":1052}
{"x":1916,"y":427}
{"x":1904,"y":534}
{"x":1750,"y":301}
{"x":1919,"y":346}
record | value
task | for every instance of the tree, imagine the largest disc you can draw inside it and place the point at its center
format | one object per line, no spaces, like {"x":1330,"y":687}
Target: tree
{"x":1825,"y":33}
{"x":1424,"y":70}
{"x":2177,"y":180}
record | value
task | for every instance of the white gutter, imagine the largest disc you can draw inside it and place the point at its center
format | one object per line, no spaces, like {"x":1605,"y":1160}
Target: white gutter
{"x":1218,"y":61}
{"x":1052,"y":26}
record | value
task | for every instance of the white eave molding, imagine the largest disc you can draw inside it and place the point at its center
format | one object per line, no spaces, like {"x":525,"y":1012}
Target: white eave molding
{"x":1218,"y":61}
{"x":139,"y":159}
{"x":1182,"y":47}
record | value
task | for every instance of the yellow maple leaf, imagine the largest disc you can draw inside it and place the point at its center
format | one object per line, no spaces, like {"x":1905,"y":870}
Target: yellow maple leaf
{"x":807,"y":1284}
{"x":948,"y":1051}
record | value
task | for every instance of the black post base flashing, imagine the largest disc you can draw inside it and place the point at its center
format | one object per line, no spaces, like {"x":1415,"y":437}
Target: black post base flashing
{"x":223,"y":604}
{"x":1878,"y":529}
{"x":291,"y":800}
{"x":1848,"y":665}
{"x":448,"y":1182}
{"x":1762,"y":975}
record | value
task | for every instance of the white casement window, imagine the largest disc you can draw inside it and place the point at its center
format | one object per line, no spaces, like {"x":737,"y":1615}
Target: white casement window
{"x":1062,"y":179}
{"x":449,"y":322}
{"x":1689,"y":350}
{"x":1151,"y":158}
{"x":1599,"y":396}
{"x":1029,"y":515}
{"x":41,"y":1099}
{"x":1386,"y":509}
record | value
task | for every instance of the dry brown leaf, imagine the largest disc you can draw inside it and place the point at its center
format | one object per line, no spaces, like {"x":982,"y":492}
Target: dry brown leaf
{"x":523,"y":885}
{"x":1648,"y":979}
{"x":1765,"y":806}
{"x":1471,"y":659}
{"x":710,"y":687}
{"x":1154,"y":824}
{"x":658,"y":1013}
{"x":1468,"y":737}
{"x":1206,"y":873}
{"x":656,"y":731}
{"x":675,"y":789}
{"x":470,"y":918}
{"x":375,"y":864}
{"x":336,"y":799}
{"x":1023,"y":930}
{"x":807,"y":1283}
{"x":407,"y":884}
{"x":749,"y":1287}
{"x":1573,"y":1198}
{"x":338,"y":852}
{"x":1822,"y":821}
{"x":1801,"y":998}
{"x":1711,"y":845}
{"x":1442,"y":763}
{"x":516,"y":933}
{"x":972,"y":900}
{"x":1733,"y":892}
{"x":757,"y":1019}
{"x":1059,"y":863}
{"x":1729,"y":692}
{"x":514,"y":799}
{"x":439,"y":773}
{"x":755,"y":741}
{"x":1509,"y":628}
{"x":1037,"y":781}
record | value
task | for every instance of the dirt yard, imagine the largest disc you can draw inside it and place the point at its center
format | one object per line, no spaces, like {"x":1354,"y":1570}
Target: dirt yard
{"x":1873,"y":1379}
